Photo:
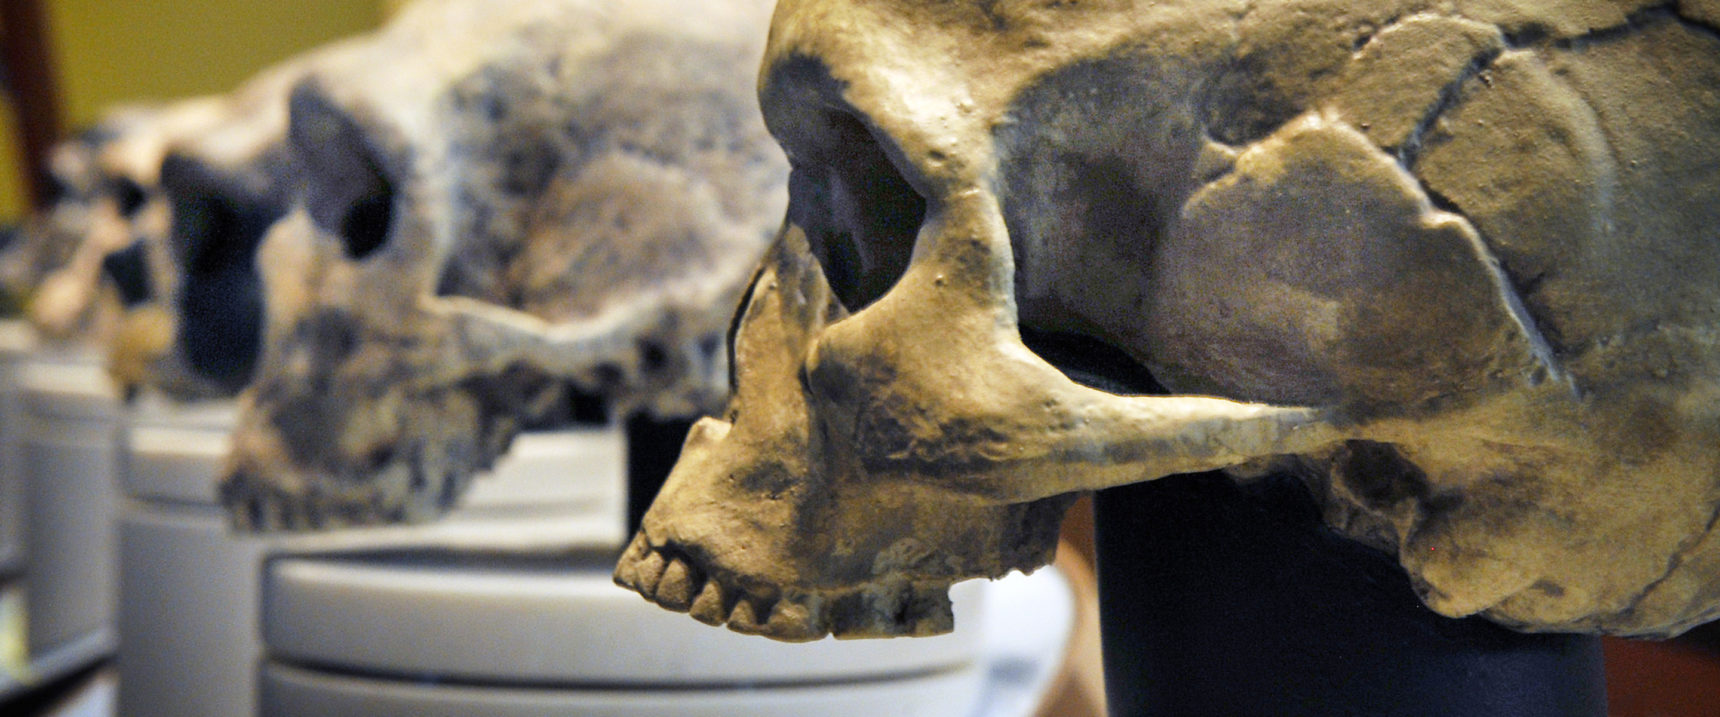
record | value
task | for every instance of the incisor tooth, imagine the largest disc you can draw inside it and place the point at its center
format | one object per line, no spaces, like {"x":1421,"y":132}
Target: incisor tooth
{"x":676,"y":588}
{"x":627,"y":572}
{"x":708,"y":608}
{"x":650,"y":571}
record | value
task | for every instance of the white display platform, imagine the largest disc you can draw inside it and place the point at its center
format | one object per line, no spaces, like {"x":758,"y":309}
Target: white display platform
{"x":70,"y":456}
{"x":555,"y":620}
{"x":17,"y":341}
{"x":504,"y":608}
{"x":355,"y":656}
{"x":191,"y":592}
{"x":291,"y":692}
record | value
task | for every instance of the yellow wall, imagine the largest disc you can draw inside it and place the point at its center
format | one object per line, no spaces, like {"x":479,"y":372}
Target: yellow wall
{"x":12,"y":204}
{"x":115,"y":51}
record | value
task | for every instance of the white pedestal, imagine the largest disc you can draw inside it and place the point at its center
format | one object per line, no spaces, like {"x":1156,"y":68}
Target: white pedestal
{"x":505,"y":609}
{"x":558,"y":621}
{"x":188,"y":622}
{"x":71,"y":455}
{"x":302,"y":693}
{"x":67,"y":428}
{"x":17,"y":341}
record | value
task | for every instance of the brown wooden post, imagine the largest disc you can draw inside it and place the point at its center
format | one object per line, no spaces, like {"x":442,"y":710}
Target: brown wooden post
{"x":28,"y":59}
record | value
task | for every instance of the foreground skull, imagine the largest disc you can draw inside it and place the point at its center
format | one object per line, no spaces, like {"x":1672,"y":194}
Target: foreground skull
{"x":503,"y":201}
{"x":1454,"y":263}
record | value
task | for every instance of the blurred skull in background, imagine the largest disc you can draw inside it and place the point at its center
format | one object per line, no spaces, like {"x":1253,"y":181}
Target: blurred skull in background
{"x":45,"y":241}
{"x":191,"y":283}
{"x":107,"y":197}
{"x":505,"y":203}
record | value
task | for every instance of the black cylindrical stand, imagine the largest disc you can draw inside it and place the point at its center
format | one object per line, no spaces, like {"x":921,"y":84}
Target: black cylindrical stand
{"x":653,"y":446}
{"x":1219,"y":599}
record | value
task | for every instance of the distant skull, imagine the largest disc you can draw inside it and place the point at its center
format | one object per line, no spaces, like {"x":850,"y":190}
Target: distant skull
{"x":109,"y":197}
{"x":192,"y":286}
{"x":1454,"y":263}
{"x":505,"y":202}
{"x":45,"y":241}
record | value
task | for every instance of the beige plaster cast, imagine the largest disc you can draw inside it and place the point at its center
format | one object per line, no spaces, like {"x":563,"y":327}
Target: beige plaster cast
{"x":1453,"y":262}
{"x":504,"y":203}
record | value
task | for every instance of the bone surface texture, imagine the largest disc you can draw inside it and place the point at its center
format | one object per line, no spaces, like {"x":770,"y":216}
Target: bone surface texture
{"x":1453,"y":264}
{"x":505,"y":204}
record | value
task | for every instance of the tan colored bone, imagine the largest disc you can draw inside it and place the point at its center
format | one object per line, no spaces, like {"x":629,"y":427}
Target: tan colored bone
{"x":68,"y":300}
{"x":1456,"y":261}
{"x":504,"y":201}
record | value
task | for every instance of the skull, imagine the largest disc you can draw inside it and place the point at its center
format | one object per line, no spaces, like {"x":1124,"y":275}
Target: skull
{"x":505,"y":204}
{"x":193,"y":328}
{"x":45,"y":241}
{"x":189,"y":283}
{"x":1448,"y":262}
{"x":109,"y":197}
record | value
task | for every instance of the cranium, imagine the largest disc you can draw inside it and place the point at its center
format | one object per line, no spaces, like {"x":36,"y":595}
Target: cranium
{"x":1452,"y":262}
{"x":46,"y":240}
{"x":502,"y":201}
{"x":110,"y":196}
{"x":194,"y":322}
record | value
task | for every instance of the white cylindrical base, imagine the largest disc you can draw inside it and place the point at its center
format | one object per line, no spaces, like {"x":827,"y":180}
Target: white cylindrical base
{"x":70,"y":457}
{"x":555,"y":620}
{"x":294,"y":692}
{"x":188,"y":622}
{"x":17,"y":341}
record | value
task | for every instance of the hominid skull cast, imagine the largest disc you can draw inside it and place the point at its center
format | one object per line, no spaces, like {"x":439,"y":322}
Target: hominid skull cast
{"x":195,"y":329}
{"x":48,"y":242}
{"x":505,"y":202}
{"x":1452,"y":262}
{"x":116,"y":203}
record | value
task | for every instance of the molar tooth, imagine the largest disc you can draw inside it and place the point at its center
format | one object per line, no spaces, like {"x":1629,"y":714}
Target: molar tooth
{"x":650,"y":572}
{"x":795,"y":620}
{"x":677,"y":586}
{"x":710,"y":606}
{"x":867,"y":611}
{"x":930,"y":612}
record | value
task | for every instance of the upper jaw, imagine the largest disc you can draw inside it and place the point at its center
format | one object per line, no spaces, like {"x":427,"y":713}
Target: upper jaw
{"x":789,"y":521}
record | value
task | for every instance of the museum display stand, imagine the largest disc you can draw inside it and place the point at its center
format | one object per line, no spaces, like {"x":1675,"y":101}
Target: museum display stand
{"x":506,"y":607}
{"x":1225,"y":599}
{"x":520,"y":633}
{"x":62,"y":423}
{"x":189,"y":619}
{"x":17,"y":341}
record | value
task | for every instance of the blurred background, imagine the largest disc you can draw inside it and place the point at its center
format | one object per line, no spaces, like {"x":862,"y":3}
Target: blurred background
{"x":101,"y":53}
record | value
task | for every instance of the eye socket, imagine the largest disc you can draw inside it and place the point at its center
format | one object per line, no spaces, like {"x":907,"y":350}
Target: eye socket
{"x":860,"y":214}
{"x":348,"y":193}
{"x":128,"y":196}
{"x":217,"y":227}
{"x":365,"y":226}
{"x":128,"y":269}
